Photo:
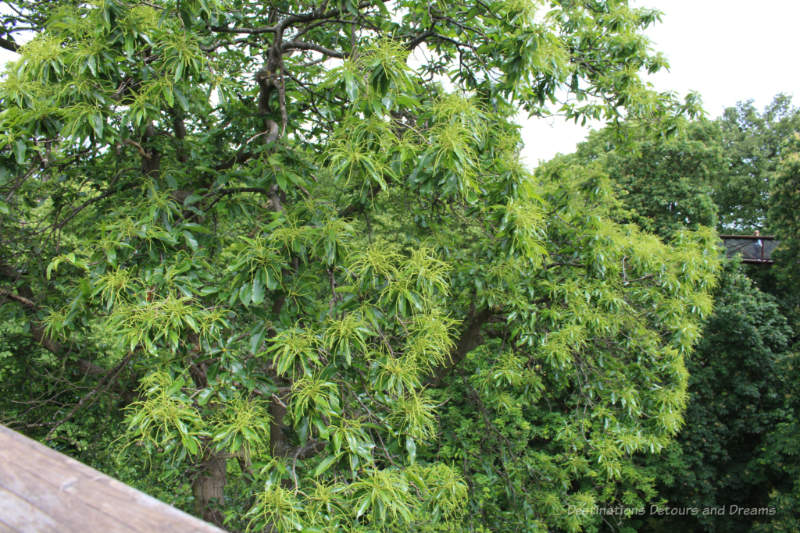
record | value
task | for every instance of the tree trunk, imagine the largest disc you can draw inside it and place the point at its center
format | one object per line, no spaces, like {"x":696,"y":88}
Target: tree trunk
{"x":469,"y":340}
{"x":208,"y":488}
{"x":279,"y":444}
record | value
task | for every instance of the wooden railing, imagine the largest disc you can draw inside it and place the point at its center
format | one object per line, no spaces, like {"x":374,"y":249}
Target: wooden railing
{"x":44,"y":491}
{"x":752,"y":248}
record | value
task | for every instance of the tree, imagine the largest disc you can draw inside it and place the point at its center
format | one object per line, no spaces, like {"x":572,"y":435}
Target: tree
{"x":707,"y":172}
{"x":664,"y":182}
{"x":784,"y":219}
{"x":730,"y":452}
{"x":782,"y":446}
{"x":737,"y":446}
{"x":279,"y":273}
{"x":753,"y":143}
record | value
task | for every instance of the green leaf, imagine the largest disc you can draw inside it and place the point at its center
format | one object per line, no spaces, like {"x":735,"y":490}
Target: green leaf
{"x":181,"y":98}
{"x":96,"y":120}
{"x":411,"y":448}
{"x":190,"y":444}
{"x":351,"y":86}
{"x":190,"y":240}
{"x":20,"y":147}
{"x":325,"y":464}
{"x":257,"y":293}
{"x":204,"y":396}
{"x":245,"y":293}
{"x":256,"y":340}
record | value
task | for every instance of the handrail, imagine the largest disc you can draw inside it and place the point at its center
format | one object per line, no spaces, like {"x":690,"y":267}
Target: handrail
{"x":45,"y":491}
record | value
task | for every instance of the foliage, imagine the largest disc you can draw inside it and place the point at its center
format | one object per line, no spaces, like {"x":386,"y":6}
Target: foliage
{"x":708,"y":172}
{"x":737,"y":447}
{"x":753,"y":143}
{"x":784,"y":218}
{"x":664,"y":182}
{"x":295,"y":248}
{"x":733,"y":450}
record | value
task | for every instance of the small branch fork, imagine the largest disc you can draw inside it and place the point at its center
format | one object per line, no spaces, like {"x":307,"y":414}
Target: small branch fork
{"x":87,"y":399}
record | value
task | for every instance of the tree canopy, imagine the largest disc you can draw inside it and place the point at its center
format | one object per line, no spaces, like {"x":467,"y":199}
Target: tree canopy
{"x":738,"y":446}
{"x":754,"y":144}
{"x":665,"y":183}
{"x":281,"y":263}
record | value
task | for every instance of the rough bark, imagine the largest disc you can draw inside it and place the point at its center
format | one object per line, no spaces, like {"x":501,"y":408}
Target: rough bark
{"x":208,"y":488}
{"x":278,"y":441}
{"x":469,"y":340}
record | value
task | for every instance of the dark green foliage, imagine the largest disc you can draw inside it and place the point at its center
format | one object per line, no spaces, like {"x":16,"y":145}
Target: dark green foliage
{"x":665,"y":182}
{"x":753,"y":144}
{"x":784,"y":217}
{"x":732,"y":450}
{"x":707,"y":172}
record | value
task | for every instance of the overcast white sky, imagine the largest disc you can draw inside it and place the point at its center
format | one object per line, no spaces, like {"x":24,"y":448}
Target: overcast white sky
{"x":727,"y":50}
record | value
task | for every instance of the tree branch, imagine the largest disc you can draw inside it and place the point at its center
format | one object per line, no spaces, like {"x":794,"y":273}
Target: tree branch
{"x":285,"y":23}
{"x":251,"y":31}
{"x":90,"y":201}
{"x":21,"y":299}
{"x":9,"y":44}
{"x":419,"y":39}
{"x":303,"y":45}
{"x":37,"y":331}
{"x":142,"y":152}
{"x":101,"y":386}
{"x":240,"y":157}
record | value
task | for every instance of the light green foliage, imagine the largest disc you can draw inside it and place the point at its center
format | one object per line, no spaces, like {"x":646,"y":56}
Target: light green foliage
{"x":165,"y":418}
{"x":566,"y":393}
{"x":735,"y":446}
{"x":315,"y":259}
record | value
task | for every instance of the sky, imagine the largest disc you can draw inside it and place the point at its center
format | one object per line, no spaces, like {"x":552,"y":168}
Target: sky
{"x":727,"y":50}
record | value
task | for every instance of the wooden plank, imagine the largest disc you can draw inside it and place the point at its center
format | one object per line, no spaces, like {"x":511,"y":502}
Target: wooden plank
{"x":5,"y":528}
{"x":70,"y":512}
{"x":18,"y":514}
{"x":79,"y":498}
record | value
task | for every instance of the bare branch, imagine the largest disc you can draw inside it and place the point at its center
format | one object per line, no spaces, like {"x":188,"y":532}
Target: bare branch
{"x":21,"y":299}
{"x":303,"y":45}
{"x":251,"y":31}
{"x":138,"y":146}
{"x":419,"y":39}
{"x":272,"y":134}
{"x":101,"y":386}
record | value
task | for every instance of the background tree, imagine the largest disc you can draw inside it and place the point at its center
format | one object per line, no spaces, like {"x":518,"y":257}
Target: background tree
{"x":784,"y":219}
{"x":737,"y":447}
{"x":281,"y":276}
{"x":728,"y":453}
{"x":712,"y":172}
{"x":753,"y":143}
{"x":664,"y":181}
